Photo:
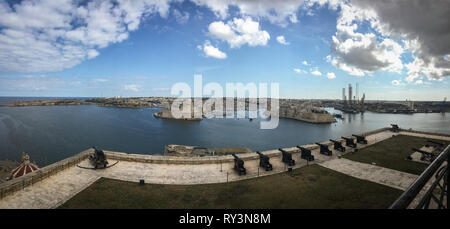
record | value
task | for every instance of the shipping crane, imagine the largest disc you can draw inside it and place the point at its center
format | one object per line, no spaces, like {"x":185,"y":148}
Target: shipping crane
{"x":443,"y":105}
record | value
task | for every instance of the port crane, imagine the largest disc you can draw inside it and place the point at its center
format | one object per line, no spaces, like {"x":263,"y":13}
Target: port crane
{"x":443,"y":105}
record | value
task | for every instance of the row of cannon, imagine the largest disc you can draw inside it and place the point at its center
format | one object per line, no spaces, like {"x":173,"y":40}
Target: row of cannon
{"x":305,"y":154}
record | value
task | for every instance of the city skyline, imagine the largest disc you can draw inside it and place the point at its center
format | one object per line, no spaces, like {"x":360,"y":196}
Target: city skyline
{"x":313,"y":49}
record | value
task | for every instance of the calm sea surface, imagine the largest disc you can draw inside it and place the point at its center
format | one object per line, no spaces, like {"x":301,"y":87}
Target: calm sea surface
{"x":53,"y":133}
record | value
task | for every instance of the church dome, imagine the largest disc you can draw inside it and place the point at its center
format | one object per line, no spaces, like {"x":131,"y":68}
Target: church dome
{"x":25,"y":167}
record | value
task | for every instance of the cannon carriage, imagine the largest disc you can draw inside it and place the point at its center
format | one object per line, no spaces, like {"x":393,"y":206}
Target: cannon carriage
{"x":324,"y":149}
{"x":425,"y":155}
{"x":98,"y":159}
{"x":264,"y":161}
{"x":395,"y":128}
{"x":239,"y":165}
{"x":287,"y":157}
{"x":306,"y":154}
{"x":338,"y":145}
{"x":349,"y":142}
{"x":360,"y":139}
{"x":437,"y":145}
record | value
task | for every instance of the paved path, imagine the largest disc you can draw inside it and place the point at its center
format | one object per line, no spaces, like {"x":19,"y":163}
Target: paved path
{"x":377,"y":174}
{"x":52,"y":191}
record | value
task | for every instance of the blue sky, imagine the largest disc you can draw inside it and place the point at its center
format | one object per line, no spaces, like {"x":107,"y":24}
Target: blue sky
{"x":169,"y":46}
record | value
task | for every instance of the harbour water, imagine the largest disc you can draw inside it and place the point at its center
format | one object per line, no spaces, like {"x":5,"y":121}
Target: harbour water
{"x":53,"y":133}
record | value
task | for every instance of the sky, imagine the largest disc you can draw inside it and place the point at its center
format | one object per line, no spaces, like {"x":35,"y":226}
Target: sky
{"x":394,"y":49}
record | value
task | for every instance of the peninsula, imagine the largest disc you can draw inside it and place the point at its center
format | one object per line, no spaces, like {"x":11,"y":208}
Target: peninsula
{"x":303,"y":110}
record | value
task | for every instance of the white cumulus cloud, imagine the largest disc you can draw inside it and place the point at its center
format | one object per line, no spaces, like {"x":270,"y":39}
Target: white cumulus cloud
{"x":331,"y":75}
{"x":277,"y":12}
{"x":211,"y":51}
{"x":316,"y":73}
{"x":282,"y":40}
{"x":238,"y":32}
{"x":49,"y":36}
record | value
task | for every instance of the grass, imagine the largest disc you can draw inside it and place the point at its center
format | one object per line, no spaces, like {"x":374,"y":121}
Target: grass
{"x":392,"y":153}
{"x":307,"y":187}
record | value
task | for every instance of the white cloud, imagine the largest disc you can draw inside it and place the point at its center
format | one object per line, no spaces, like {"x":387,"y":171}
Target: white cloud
{"x":419,"y":82}
{"x":395,"y":82}
{"x":331,"y":75}
{"x":132,"y":87}
{"x":277,"y":12}
{"x":49,"y":36}
{"x":238,"y":32}
{"x":362,"y":53}
{"x":316,"y":73}
{"x":299,"y":71}
{"x":212,"y":51}
{"x":392,"y":22}
{"x":305,"y":63}
{"x":282,"y":40}
{"x":180,"y":17}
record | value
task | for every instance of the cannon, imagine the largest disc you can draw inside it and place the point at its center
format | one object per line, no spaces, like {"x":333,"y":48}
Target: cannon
{"x":349,"y":142}
{"x":436,"y":143}
{"x":98,"y":159}
{"x":324,"y":149}
{"x":287,"y":157}
{"x":395,"y":128}
{"x":306,"y":154}
{"x":425,"y":154}
{"x":360,"y":139}
{"x":264,"y":161}
{"x":239,"y":165}
{"x":338,"y":145}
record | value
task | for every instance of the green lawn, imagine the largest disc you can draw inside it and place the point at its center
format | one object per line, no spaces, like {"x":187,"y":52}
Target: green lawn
{"x":392,"y":153}
{"x":307,"y":187}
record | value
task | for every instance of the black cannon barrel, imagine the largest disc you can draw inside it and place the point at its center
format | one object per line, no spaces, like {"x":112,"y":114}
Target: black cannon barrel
{"x":346,"y":138}
{"x":321,"y":144}
{"x":334,"y":141}
{"x":262,"y":155}
{"x":303,"y":149}
{"x":234,"y":155}
{"x":358,"y":136}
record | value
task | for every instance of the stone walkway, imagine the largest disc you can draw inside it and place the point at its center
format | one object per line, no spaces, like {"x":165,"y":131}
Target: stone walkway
{"x":52,"y":191}
{"x":373,"y":173}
